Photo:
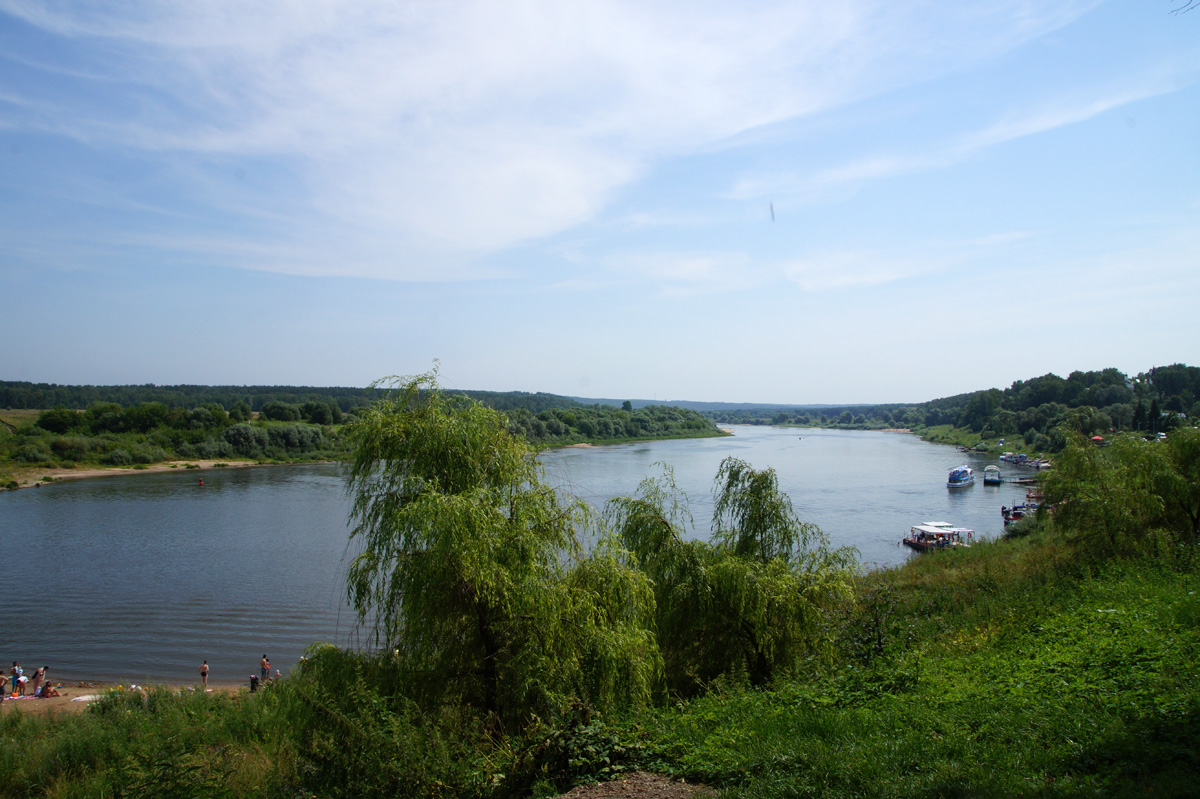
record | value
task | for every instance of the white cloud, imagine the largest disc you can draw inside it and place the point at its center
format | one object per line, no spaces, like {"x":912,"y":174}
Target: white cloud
{"x":454,"y":129}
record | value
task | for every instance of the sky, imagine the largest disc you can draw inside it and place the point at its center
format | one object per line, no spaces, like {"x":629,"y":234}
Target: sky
{"x":795,"y":202}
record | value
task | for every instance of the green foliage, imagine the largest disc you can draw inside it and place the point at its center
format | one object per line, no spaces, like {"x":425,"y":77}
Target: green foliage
{"x":1130,"y":497}
{"x":599,"y":423}
{"x":247,"y":440}
{"x":471,"y":569}
{"x":748,"y":605}
{"x":280,"y":412}
{"x":239,"y":412}
{"x":154,"y":745}
{"x":59,"y":420}
{"x":32,"y":453}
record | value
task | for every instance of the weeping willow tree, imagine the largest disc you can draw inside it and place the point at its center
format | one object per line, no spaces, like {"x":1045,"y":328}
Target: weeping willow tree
{"x":746,"y":604}
{"x":471,"y":568}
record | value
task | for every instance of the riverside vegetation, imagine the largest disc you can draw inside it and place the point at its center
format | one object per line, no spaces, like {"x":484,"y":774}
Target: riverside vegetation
{"x":1029,"y":413}
{"x":271,"y":424}
{"x":512,"y":660}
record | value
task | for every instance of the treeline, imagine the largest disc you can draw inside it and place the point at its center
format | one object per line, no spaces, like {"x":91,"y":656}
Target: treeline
{"x":42,"y":396}
{"x":1096,"y":402}
{"x":109,"y":434}
{"x":560,"y":426}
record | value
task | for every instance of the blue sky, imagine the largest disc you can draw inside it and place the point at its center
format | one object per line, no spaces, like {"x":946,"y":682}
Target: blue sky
{"x":577,"y":197}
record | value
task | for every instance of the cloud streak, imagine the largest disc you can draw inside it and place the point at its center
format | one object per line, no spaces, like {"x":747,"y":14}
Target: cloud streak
{"x":451,"y":131}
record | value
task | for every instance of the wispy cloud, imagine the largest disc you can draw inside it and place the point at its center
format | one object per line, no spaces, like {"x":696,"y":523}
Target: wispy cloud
{"x":448,"y":131}
{"x":949,"y":151}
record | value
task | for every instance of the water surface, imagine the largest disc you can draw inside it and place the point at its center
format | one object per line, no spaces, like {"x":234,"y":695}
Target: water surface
{"x":140,"y":577}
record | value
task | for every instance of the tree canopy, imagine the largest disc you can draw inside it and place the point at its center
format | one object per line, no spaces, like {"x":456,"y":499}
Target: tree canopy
{"x":745,"y":604}
{"x":472,"y":571}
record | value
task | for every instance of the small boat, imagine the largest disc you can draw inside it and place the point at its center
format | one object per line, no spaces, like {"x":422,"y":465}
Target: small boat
{"x":991,"y":476}
{"x":961,"y":476}
{"x":1017,"y":512}
{"x":937,"y":535}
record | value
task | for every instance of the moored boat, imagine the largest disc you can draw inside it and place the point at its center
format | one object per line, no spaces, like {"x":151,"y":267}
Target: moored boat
{"x":937,"y":535}
{"x":991,"y":476}
{"x":961,"y":476}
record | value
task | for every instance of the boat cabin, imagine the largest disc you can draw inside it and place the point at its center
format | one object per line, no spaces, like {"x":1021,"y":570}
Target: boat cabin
{"x":961,"y":476}
{"x":937,"y":535}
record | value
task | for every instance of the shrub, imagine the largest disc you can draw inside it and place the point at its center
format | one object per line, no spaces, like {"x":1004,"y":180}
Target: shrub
{"x":118,"y":457}
{"x":31,"y":453}
{"x":296,"y":438}
{"x":277,"y":411}
{"x":246,"y":440}
{"x":147,"y":454}
{"x":73,"y":448}
{"x":59,"y":420}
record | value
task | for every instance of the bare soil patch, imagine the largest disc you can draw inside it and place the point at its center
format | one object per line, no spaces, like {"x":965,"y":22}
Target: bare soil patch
{"x":641,"y":785}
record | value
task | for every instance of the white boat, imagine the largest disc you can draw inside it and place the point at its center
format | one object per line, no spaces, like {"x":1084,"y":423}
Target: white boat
{"x":961,"y":476}
{"x":938,"y":535}
{"x":991,"y":476}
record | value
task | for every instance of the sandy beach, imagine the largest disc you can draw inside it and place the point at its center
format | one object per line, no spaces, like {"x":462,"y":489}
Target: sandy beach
{"x":70,"y":691}
{"x":30,"y":477}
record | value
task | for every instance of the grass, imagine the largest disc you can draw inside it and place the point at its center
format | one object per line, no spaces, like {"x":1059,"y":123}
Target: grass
{"x":1022,"y":674}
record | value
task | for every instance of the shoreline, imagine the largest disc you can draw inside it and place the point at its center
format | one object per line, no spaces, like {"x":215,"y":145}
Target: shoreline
{"x":87,"y":473}
{"x":72,"y":690}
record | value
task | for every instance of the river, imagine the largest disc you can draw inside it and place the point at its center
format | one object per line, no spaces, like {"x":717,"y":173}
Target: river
{"x":140,"y":577}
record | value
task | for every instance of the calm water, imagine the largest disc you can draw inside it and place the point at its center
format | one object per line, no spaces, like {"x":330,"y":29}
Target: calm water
{"x":139,"y":578}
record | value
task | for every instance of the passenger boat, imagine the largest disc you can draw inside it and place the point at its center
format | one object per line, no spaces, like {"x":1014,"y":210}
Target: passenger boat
{"x":937,"y":535}
{"x":961,"y":476}
{"x":991,"y":476}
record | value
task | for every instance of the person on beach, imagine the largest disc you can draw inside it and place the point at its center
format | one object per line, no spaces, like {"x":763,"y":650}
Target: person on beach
{"x":48,"y":692}
{"x":18,"y":683}
{"x":3,"y":687}
{"x":36,"y":682}
{"x":204,"y":674}
{"x":265,"y":666}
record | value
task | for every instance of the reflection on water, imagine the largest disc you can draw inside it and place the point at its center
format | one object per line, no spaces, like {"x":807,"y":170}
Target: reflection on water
{"x":143,"y":577}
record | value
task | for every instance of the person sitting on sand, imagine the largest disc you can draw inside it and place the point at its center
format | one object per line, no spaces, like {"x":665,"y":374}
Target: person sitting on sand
{"x":49,"y":692}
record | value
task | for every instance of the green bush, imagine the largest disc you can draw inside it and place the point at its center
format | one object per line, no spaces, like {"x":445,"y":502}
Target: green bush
{"x":247,"y":440}
{"x":118,"y":457}
{"x":31,"y":453}
{"x":73,"y":448}
{"x":276,"y":411}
